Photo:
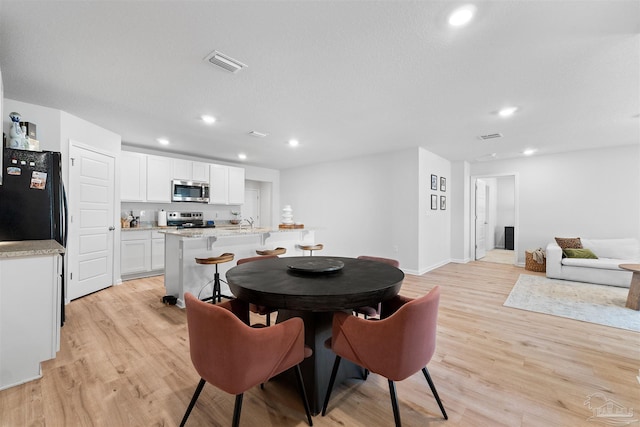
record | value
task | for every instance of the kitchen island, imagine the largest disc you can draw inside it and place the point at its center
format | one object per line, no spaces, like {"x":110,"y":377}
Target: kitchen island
{"x":30,"y":308}
{"x":183,"y":246}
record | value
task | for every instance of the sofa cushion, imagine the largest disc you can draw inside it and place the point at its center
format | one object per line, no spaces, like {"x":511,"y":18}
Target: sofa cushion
{"x":579,"y":253}
{"x":625,"y":249}
{"x":602,"y":263}
{"x":569,"y":242}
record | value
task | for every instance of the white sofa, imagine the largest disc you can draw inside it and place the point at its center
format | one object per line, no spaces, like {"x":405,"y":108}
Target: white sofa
{"x":604,"y":270}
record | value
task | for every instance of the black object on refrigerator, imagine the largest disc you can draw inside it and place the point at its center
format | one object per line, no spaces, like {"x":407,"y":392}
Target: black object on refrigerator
{"x":33,"y":203}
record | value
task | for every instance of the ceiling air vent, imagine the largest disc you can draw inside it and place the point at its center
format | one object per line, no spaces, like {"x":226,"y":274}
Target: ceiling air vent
{"x":490,"y":136}
{"x":223,"y":61}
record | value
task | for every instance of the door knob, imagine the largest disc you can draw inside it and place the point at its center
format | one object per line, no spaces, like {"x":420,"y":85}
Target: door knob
{"x":111,"y":228}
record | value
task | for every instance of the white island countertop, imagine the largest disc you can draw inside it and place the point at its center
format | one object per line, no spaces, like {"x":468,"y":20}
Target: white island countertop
{"x":226,"y":231}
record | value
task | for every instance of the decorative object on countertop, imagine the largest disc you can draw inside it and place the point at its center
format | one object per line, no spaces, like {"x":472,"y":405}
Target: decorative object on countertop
{"x":125,"y":220}
{"x":287,"y":215}
{"x":290,"y":226}
{"x":236,"y":220}
{"x":162,"y":218}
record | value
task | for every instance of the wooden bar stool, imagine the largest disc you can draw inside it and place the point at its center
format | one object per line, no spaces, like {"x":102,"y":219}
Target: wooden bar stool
{"x":217,"y":293}
{"x":311,"y":248}
{"x":276,"y":251}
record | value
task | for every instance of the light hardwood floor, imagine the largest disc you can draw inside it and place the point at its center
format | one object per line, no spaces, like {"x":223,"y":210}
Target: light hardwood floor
{"x":124,"y":361}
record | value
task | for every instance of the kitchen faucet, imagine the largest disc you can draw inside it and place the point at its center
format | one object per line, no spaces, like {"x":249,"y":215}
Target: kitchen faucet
{"x":249,"y":220}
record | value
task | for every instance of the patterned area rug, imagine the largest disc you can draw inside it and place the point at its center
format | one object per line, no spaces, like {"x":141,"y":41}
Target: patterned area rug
{"x":604,"y":305}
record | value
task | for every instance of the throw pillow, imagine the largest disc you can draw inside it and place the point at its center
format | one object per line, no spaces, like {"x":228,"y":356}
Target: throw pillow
{"x":579,"y":253}
{"x":569,"y":243}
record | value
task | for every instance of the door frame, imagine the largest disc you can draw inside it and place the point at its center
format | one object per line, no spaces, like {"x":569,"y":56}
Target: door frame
{"x":72,"y":256}
{"x":472,"y":212}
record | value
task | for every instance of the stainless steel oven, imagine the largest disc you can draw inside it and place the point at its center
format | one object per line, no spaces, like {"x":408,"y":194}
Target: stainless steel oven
{"x":189,"y":191}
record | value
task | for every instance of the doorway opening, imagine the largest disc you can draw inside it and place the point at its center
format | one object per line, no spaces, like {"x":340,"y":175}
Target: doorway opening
{"x":495,"y":218}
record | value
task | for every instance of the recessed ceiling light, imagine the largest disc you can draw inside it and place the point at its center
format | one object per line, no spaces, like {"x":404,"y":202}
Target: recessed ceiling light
{"x":208,"y":119}
{"x":507,"y":111}
{"x":242,"y":156}
{"x":529,"y":151}
{"x":294,"y":142}
{"x":462,"y":15}
{"x":163,"y":141}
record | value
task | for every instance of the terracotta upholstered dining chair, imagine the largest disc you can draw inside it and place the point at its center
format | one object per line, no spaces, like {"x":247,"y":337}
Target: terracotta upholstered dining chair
{"x":227,"y":358}
{"x":371,"y":311}
{"x":396,"y":347}
{"x":254,"y":308}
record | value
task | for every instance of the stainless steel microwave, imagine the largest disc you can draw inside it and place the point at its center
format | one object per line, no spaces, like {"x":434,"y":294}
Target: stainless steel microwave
{"x":189,"y":191}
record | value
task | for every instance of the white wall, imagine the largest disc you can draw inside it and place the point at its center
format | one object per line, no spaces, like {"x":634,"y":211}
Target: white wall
{"x":47,"y":121}
{"x":505,"y":215}
{"x":589,"y":193}
{"x":460,"y":212}
{"x":375,"y":205}
{"x":434,"y":225}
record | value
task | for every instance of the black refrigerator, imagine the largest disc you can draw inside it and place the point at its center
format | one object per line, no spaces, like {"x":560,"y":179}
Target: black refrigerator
{"x":33,"y":203}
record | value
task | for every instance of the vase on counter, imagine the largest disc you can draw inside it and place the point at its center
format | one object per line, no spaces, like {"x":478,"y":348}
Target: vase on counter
{"x":287,"y":215}
{"x":236,"y":218}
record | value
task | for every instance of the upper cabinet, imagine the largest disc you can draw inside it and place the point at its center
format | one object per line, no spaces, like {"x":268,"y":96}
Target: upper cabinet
{"x":147,"y":178}
{"x":236,"y":185}
{"x":226,"y":185}
{"x":200,"y":171}
{"x":133,"y":177}
{"x":190,"y":171}
{"x":159,"y":176}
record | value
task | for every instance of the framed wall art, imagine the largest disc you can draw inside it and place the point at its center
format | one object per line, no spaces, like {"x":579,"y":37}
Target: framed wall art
{"x":443,"y":203}
{"x":434,"y":202}
{"x":434,"y":182}
{"x":443,"y":183}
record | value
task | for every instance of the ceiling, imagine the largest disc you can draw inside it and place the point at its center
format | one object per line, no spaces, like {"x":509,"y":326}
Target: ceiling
{"x":345,"y":78}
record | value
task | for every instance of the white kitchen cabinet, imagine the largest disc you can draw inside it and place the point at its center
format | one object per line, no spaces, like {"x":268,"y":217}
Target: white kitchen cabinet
{"x":141,"y":253}
{"x":226,"y":185}
{"x":190,"y":171}
{"x":133,"y":177}
{"x":182,"y":169}
{"x":200,"y":171}
{"x":218,"y":185}
{"x":236,"y":185}
{"x":135,"y":252}
{"x":30,"y":308}
{"x":157,"y":251}
{"x":159,"y":176}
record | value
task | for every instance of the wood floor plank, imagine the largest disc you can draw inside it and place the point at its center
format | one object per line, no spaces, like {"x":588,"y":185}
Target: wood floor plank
{"x":124,"y":361}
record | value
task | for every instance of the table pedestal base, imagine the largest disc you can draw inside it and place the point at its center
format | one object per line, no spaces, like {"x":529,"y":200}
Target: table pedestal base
{"x":316,"y":369}
{"x":633,"y":299}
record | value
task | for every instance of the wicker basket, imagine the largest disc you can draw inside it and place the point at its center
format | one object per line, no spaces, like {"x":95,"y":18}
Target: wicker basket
{"x":531,"y":264}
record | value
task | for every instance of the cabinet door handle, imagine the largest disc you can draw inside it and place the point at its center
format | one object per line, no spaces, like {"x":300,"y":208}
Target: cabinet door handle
{"x":111,"y":228}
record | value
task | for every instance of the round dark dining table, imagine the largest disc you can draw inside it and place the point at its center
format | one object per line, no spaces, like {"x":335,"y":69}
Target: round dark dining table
{"x":313,"y":288}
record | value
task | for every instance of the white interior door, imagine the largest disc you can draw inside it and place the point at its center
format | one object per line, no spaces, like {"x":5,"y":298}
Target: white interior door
{"x":251,"y":206}
{"x":91,"y":204}
{"x":481,"y":217}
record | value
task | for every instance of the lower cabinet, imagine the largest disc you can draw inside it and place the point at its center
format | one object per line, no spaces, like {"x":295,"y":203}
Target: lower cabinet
{"x":30,"y":292}
{"x":141,"y":254}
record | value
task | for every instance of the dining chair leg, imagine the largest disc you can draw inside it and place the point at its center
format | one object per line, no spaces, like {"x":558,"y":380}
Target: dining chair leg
{"x":236,"y":410}
{"x":334,"y":371}
{"x":303,"y":394}
{"x":394,"y":403}
{"x":196,"y":394}
{"x":435,"y":393}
